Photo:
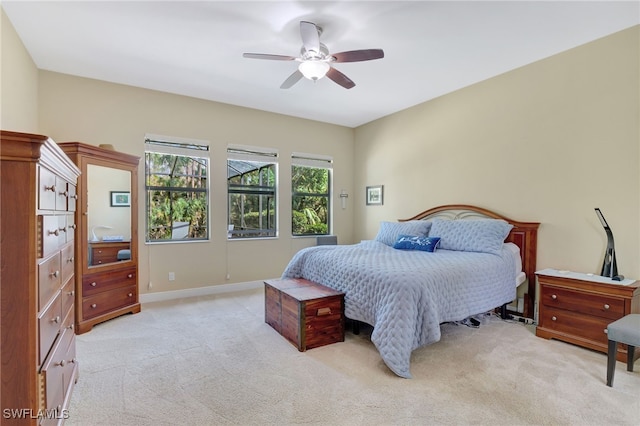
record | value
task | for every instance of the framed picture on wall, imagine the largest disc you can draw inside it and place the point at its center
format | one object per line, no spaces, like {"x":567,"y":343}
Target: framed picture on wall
{"x":120,"y":199}
{"x":374,"y":195}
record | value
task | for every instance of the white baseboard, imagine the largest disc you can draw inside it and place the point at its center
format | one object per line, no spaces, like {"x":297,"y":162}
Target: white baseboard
{"x":200,"y":291}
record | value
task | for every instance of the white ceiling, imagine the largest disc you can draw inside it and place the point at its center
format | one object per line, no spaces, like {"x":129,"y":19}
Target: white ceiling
{"x":195,"y":48}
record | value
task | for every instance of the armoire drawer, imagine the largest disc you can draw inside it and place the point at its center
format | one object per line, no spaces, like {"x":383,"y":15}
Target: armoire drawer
{"x":67,"y":261}
{"x":49,"y":279}
{"x":68,"y":295}
{"x":66,"y":229}
{"x":47,"y":193}
{"x":56,"y":372}
{"x":51,"y":238}
{"x":108,"y":280}
{"x":108,"y":301}
{"x":49,"y":323}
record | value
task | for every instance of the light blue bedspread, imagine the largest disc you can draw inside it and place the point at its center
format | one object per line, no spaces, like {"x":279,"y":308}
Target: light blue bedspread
{"x":406,"y":295}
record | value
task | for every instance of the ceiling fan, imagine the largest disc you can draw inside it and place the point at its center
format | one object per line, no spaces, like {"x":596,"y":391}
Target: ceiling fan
{"x":315,"y":59}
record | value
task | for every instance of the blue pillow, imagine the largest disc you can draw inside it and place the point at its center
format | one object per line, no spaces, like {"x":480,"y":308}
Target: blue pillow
{"x":390,"y":231}
{"x":480,"y":235}
{"x":412,"y":242}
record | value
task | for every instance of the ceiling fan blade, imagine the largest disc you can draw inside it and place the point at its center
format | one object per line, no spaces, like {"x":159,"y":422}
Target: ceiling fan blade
{"x":291,"y":80}
{"x":340,"y":78}
{"x":358,"y":55}
{"x":267,"y":56}
{"x":310,"y":36}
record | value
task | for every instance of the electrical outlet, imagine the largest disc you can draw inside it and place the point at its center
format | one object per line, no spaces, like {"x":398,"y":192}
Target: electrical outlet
{"x":172,"y":276}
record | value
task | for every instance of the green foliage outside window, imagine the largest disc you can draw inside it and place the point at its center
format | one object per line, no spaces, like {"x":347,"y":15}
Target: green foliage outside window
{"x":177,"y":197}
{"x":310,"y":200}
{"x":252,"y":201}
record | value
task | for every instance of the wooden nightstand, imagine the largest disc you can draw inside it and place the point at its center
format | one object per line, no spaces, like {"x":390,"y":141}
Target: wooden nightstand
{"x":576,"y":308}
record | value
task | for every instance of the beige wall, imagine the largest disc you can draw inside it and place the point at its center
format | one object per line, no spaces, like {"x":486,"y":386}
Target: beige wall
{"x":18,"y":82}
{"x":547,"y":142}
{"x":96,"y":112}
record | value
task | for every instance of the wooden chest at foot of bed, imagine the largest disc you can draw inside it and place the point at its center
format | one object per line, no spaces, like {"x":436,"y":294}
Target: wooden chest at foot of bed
{"x":305,"y":313}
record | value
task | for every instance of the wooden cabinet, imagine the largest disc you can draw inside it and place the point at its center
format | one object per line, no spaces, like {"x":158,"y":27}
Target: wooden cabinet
{"x":37,"y":275}
{"x":106,"y":284}
{"x":577,"y":308}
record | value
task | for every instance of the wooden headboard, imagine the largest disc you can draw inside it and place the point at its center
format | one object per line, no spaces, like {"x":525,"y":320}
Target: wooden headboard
{"x":523,"y":234}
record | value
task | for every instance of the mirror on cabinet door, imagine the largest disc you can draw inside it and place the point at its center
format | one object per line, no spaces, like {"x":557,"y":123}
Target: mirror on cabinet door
{"x":108,"y":215}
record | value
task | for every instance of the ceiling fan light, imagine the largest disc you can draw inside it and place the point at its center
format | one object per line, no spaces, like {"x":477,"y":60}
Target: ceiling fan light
{"x":314,"y":70}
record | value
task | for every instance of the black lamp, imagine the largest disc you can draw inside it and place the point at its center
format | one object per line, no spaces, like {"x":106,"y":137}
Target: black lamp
{"x":609,"y":265}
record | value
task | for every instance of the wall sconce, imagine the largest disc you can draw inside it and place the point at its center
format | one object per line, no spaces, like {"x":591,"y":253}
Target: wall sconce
{"x":94,"y":237}
{"x":343,"y":199}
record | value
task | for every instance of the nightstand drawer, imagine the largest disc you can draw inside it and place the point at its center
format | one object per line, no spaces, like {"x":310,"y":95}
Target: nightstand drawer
{"x":582,"y":302}
{"x":575,"y":324}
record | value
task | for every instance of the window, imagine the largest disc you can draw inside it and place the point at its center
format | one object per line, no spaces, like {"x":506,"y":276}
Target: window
{"x":310,"y":194}
{"x":251,"y":183}
{"x":177,"y":190}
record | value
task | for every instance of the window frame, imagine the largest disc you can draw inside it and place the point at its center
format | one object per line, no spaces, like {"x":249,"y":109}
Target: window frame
{"x":178,"y":147}
{"x":264,"y":158}
{"x":318,"y":162}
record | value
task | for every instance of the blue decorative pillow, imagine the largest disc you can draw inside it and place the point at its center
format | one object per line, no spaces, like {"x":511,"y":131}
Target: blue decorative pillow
{"x":390,"y":231}
{"x":412,"y":242}
{"x":481,"y":235}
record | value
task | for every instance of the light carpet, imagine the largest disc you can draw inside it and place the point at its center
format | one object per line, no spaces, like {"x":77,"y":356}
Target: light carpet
{"x":213,"y":361}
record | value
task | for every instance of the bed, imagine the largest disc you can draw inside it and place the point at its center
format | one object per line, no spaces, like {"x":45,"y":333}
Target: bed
{"x":445,"y":264}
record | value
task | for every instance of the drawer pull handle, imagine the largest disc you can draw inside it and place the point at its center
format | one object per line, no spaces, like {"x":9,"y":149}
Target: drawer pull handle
{"x":71,"y":259}
{"x":55,"y":320}
{"x":93,"y":284}
{"x":74,"y":196}
{"x":62,"y":363}
{"x":51,"y":188}
{"x":55,"y":274}
{"x":93,"y":306}
{"x":606,"y":331}
{"x":553,"y":318}
{"x":130,"y":294}
{"x":323,"y":311}
{"x":73,"y":360}
{"x":130,"y":276}
{"x":65,"y":193}
{"x":56,"y":232}
{"x":554,"y":297}
{"x":72,"y":226}
{"x":70,"y":327}
{"x":606,"y":306}
{"x":63,"y":229}
{"x":71,"y":293}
